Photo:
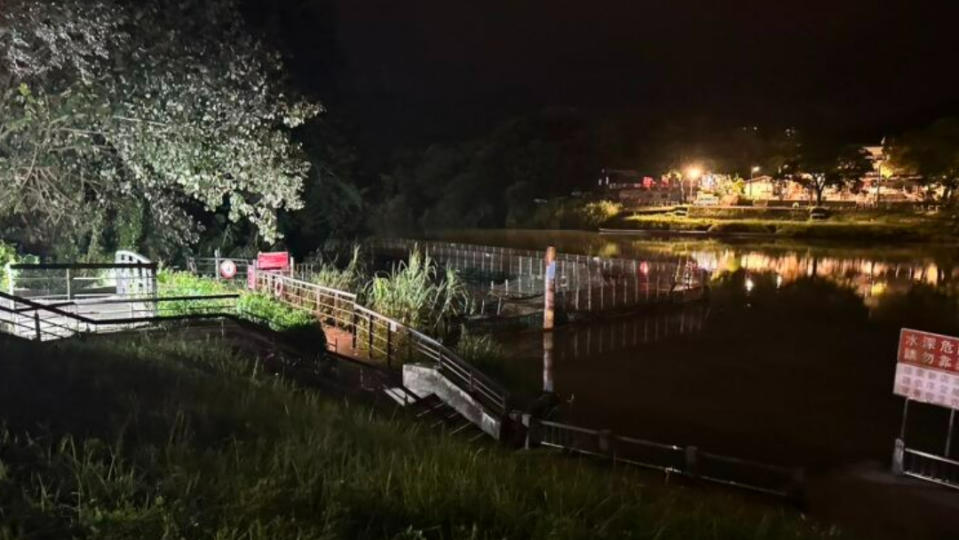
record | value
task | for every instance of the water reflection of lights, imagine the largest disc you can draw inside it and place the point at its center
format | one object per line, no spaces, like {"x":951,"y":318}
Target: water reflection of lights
{"x":878,"y":288}
{"x":861,"y":273}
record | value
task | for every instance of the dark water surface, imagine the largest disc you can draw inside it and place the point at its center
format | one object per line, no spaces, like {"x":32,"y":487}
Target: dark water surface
{"x":791,"y":359}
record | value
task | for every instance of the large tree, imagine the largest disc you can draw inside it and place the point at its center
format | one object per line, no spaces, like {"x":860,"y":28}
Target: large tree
{"x":152,"y":112}
{"x":819,"y":162}
{"x":931,"y":153}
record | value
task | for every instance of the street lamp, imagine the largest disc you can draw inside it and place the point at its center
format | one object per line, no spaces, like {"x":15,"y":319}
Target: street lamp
{"x":693,"y":173}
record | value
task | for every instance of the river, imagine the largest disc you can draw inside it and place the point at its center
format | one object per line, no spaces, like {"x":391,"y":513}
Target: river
{"x":790,"y":360}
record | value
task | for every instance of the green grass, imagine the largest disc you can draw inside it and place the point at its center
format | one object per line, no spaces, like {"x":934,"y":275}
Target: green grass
{"x":417,"y":293}
{"x":161,"y":438}
{"x":837,"y":228}
{"x":349,"y":278}
{"x":255,"y":306}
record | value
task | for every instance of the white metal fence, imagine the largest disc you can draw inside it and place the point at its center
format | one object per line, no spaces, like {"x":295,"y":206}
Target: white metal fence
{"x":583,"y":283}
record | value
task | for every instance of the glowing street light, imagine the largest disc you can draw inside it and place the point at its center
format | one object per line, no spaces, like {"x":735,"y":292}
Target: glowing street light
{"x":749,"y":185}
{"x":692,"y":173}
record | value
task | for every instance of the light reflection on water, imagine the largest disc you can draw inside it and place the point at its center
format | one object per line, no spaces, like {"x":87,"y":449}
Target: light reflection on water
{"x":870,"y":271}
{"x":791,"y":358}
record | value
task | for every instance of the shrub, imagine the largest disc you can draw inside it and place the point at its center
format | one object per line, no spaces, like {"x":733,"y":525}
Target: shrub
{"x":8,"y":255}
{"x":254,"y":306}
{"x":278,"y":316}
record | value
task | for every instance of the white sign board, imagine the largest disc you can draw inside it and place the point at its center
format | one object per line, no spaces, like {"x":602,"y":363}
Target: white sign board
{"x":927,"y":369}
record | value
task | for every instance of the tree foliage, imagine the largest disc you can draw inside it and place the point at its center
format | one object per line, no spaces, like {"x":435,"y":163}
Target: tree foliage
{"x":819,"y":162}
{"x":491,"y":180}
{"x":931,"y":153}
{"x":153,"y":110}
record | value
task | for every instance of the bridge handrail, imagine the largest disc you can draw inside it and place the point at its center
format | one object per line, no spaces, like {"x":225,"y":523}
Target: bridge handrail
{"x":686,"y":460}
{"x":464,"y":375}
{"x":123,"y":256}
{"x":83,"y":266}
{"x":37,"y":323}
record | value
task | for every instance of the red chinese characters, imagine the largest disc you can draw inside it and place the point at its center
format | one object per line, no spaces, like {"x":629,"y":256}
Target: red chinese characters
{"x":928,"y":368}
{"x":929,"y":350}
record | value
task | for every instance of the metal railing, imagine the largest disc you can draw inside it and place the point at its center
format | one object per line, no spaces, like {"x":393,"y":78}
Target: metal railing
{"x":82,"y":280}
{"x":583,"y":283}
{"x":377,"y":337}
{"x":930,"y":467}
{"x":44,"y":321}
{"x":210,"y":266}
{"x":687,"y":461}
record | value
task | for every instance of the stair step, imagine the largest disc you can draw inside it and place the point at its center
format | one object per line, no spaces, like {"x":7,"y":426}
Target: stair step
{"x":430,"y":409}
{"x":479,"y":435}
{"x":400,"y":396}
{"x":465,"y":425}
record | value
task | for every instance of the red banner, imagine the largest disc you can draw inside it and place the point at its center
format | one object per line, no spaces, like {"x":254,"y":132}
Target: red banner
{"x":277,"y":260}
{"x":928,"y":368}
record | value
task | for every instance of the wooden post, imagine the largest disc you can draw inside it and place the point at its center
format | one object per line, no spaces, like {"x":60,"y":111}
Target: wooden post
{"x":36,"y":325}
{"x":69,"y":288}
{"x":216,"y":264}
{"x":370,"y":334}
{"x":548,"y":361}
{"x":389,"y":345}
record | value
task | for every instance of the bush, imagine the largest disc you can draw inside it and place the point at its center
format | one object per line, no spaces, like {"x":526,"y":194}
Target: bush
{"x":279,"y":316}
{"x":573,"y":213}
{"x":8,"y":255}
{"x":254,"y":306}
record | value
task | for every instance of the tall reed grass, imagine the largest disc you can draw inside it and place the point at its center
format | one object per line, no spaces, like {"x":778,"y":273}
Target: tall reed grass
{"x":350,"y":278}
{"x":416,"y":293}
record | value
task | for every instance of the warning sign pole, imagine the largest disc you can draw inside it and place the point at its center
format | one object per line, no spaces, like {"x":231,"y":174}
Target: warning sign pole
{"x":549,"y":284}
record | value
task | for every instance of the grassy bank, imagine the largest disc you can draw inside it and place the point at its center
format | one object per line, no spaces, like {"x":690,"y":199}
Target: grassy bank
{"x":840,"y":228}
{"x":168,"y":439}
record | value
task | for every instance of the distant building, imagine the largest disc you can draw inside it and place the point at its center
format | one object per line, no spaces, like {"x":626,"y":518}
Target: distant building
{"x":633,"y":188}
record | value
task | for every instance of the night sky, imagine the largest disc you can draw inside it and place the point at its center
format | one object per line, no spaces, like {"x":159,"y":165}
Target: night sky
{"x":434,"y":69}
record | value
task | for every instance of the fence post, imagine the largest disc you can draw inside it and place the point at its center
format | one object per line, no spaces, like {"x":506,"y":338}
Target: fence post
{"x":216,"y":264}
{"x":36,"y":325}
{"x":533,"y":429}
{"x":692,"y":461}
{"x":898,"y":456}
{"x":369,"y":333}
{"x":69,"y":288}
{"x":355,"y":327}
{"x":605,"y":439}
{"x":389,"y":345}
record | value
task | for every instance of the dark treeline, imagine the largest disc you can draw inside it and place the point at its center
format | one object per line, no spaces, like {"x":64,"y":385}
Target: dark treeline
{"x":159,"y":155}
